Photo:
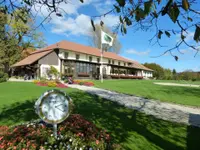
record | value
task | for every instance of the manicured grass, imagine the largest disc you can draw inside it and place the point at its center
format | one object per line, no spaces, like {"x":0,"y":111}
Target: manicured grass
{"x":134,"y":130}
{"x":146,"y":88}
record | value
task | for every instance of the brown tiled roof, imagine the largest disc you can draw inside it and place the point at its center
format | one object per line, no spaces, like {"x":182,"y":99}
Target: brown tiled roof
{"x":66,"y":45}
{"x":32,"y":58}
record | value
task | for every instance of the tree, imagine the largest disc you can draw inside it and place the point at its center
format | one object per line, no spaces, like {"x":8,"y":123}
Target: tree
{"x":137,"y":14}
{"x":16,"y":35}
{"x":158,"y":70}
{"x":168,"y":74}
{"x":95,"y":39}
{"x":174,"y":72}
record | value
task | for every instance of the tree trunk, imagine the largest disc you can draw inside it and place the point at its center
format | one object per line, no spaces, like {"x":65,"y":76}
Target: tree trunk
{"x":6,"y":68}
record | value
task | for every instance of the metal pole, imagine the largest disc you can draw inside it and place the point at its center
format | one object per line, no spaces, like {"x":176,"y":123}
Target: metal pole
{"x":101,"y":64}
{"x":55,"y":130}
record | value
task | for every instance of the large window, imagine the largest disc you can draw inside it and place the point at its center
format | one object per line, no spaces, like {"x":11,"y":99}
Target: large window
{"x":109,"y":61}
{"x":119,"y":63}
{"x":77,"y":56}
{"x":113,"y":62}
{"x":84,"y":67}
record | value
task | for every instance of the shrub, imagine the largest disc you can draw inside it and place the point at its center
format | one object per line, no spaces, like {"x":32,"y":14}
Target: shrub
{"x":66,"y":80}
{"x":81,"y":83}
{"x":57,"y":81}
{"x":53,"y":72}
{"x":36,"y":81}
{"x":3,"y":77}
{"x":74,"y":132}
{"x":51,"y":84}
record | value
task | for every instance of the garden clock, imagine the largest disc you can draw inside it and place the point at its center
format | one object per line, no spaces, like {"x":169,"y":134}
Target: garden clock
{"x":53,"y":107}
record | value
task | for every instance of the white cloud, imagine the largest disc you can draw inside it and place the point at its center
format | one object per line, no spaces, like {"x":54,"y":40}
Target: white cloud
{"x":79,"y":25}
{"x":69,"y":8}
{"x":188,"y":36}
{"x":73,"y":23}
{"x":104,"y":6}
{"x":184,"y":51}
{"x":139,"y":53}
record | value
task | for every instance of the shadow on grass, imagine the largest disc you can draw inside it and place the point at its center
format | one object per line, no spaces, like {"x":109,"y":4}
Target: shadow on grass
{"x":18,"y":113}
{"x":132,"y":129}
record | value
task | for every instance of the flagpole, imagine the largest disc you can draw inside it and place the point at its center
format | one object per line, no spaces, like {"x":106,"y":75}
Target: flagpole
{"x":101,"y":62}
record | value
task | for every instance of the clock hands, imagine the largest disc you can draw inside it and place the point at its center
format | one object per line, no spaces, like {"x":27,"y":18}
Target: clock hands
{"x":59,"y":109}
{"x":59,"y":105}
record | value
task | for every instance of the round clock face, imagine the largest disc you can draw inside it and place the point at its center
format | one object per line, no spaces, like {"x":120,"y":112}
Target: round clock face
{"x":53,"y":106}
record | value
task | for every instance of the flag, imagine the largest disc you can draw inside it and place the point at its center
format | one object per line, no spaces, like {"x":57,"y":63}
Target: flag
{"x":106,"y":38}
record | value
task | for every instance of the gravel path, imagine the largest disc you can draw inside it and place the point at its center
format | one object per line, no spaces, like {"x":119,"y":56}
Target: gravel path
{"x":161,"y":110}
{"x":177,"y":84}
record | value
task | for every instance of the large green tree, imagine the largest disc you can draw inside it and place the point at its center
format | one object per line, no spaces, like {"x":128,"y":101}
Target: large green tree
{"x":159,"y":71}
{"x":16,"y":36}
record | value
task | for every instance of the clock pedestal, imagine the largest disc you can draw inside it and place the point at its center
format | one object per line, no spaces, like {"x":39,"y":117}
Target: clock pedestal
{"x":55,"y":130}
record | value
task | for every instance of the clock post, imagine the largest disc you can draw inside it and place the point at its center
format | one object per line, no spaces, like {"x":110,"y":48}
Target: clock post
{"x":55,"y":132}
{"x":53,"y":108}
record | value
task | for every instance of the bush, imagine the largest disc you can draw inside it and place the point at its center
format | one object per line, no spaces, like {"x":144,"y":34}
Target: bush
{"x":36,"y":81}
{"x":57,"y":81}
{"x":74,"y":132}
{"x":53,"y":72}
{"x":51,"y":84}
{"x":3,"y":77}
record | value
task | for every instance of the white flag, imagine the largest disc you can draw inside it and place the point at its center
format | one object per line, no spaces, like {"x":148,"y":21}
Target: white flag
{"x":106,"y":38}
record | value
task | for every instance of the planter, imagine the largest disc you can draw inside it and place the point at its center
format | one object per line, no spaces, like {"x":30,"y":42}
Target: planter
{"x":83,"y":75}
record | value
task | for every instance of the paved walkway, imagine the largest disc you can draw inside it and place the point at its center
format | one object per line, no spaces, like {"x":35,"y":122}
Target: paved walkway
{"x":19,"y":80}
{"x":161,"y":110}
{"x":177,"y":84}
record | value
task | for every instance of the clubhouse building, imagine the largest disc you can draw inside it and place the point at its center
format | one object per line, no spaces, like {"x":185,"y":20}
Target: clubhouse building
{"x":79,"y":61}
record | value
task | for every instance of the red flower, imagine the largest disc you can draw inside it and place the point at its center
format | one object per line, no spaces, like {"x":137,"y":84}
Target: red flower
{"x":97,"y":142}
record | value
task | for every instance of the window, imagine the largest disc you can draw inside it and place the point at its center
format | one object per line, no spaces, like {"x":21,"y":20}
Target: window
{"x":98,"y":60}
{"x":119,"y":63}
{"x":129,"y":64}
{"x":66,"y":55}
{"x":124,"y":64}
{"x":77,"y":56}
{"x":113,"y":62}
{"x":109,"y":61}
{"x":90,"y":58}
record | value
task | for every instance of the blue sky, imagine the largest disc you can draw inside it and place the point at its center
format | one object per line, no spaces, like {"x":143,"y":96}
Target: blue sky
{"x":135,"y":44}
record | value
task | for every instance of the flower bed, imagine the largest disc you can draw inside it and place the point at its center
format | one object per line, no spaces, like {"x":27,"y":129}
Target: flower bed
{"x":81,"y":82}
{"x":50,"y":83}
{"x":74,"y":133}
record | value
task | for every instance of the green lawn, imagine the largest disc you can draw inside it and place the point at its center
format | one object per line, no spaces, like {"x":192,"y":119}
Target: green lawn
{"x":134,"y":130}
{"x":146,"y":88}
